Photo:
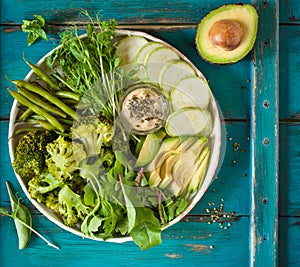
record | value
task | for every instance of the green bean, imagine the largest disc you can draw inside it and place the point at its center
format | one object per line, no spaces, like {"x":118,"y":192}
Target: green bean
{"x":42,"y":92}
{"x":36,"y":117}
{"x":42,"y":74}
{"x":25,"y":115}
{"x":66,"y":121}
{"x":68,"y":94}
{"x":22,"y":214}
{"x":46,"y":125}
{"x":38,"y":101}
{"x":36,"y":109}
{"x":25,"y":130}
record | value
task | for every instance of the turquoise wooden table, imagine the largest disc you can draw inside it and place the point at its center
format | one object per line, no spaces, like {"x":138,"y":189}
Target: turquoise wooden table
{"x":258,"y":184}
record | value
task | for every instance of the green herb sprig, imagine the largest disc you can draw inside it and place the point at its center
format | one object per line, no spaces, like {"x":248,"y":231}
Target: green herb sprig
{"x":35,"y":29}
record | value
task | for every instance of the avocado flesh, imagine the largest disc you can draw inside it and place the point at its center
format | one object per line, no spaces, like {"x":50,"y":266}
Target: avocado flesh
{"x":245,"y":15}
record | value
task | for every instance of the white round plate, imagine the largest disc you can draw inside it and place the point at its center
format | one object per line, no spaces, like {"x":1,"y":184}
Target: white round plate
{"x":215,"y":141}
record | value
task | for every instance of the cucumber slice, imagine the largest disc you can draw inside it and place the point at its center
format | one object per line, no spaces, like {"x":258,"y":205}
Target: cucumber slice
{"x":156,"y":60}
{"x":172,"y":73}
{"x":187,"y":122}
{"x":128,"y":47}
{"x":190,"y":92}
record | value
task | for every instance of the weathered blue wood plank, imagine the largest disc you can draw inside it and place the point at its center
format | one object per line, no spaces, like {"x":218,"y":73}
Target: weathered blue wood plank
{"x":289,"y":246}
{"x":188,"y":243}
{"x":264,"y":139}
{"x":133,"y":12}
{"x":289,"y":11}
{"x":289,"y":82}
{"x":6,"y":171}
{"x":289,"y":169}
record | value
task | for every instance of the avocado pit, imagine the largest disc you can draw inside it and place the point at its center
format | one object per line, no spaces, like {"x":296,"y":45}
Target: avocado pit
{"x":226,"y":34}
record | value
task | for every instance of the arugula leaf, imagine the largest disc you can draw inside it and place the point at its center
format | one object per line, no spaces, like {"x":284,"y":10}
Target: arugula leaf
{"x":35,"y":29}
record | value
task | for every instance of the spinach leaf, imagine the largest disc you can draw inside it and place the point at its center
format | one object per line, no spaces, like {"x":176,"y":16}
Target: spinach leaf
{"x":147,"y":230}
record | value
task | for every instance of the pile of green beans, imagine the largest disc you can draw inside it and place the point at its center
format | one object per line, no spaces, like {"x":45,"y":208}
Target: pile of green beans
{"x":50,"y":105}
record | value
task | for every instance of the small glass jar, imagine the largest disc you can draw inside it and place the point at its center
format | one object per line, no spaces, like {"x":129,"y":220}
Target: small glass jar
{"x":143,"y":109}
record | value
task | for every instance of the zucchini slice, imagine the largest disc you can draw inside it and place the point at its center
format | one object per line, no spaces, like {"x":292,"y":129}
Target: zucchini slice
{"x":172,"y":73}
{"x":156,"y":60}
{"x":188,"y":121}
{"x":190,"y":92}
{"x":128,"y":47}
{"x":144,"y":51}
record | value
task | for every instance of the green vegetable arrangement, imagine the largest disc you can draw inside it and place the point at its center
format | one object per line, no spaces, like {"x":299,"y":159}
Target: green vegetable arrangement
{"x":75,"y":156}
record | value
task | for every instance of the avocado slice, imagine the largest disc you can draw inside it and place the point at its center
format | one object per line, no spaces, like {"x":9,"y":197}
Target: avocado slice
{"x":227,"y":34}
{"x":150,"y":148}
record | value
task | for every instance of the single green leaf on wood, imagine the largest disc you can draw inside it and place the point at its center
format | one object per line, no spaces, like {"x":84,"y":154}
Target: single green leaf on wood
{"x":21,"y":212}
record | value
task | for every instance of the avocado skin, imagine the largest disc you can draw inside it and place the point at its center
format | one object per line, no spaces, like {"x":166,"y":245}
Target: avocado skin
{"x":247,"y":51}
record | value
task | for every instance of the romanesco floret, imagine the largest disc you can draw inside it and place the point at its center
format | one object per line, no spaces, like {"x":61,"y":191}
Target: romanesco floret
{"x":40,"y":185}
{"x":62,"y":161}
{"x":71,"y":207}
{"x":31,"y":153}
{"x":93,"y":132}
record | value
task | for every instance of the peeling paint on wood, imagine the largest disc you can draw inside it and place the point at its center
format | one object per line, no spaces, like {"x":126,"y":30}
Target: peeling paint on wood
{"x":173,"y":255}
{"x":205,"y":249}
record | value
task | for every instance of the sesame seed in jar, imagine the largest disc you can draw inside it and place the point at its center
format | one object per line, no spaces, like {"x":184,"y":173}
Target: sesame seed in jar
{"x":143,"y":109}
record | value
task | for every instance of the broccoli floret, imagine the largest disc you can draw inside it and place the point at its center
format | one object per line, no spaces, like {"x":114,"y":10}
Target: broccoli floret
{"x":62,"y":161}
{"x":31,"y":153}
{"x":51,"y":200}
{"x":39,"y":186}
{"x":76,"y":183}
{"x":93,"y":132}
{"x":71,"y":207}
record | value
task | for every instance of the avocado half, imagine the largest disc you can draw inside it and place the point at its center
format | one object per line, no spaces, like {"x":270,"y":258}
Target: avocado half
{"x":227,"y":34}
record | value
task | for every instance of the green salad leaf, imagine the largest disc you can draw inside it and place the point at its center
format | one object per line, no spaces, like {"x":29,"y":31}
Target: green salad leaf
{"x":147,"y":230}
